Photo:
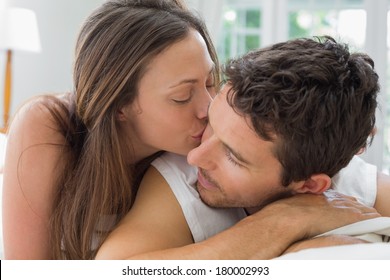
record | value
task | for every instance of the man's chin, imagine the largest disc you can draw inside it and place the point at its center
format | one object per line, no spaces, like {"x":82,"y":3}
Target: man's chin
{"x":205,"y":199}
{"x":210,"y":203}
{"x":213,"y":202}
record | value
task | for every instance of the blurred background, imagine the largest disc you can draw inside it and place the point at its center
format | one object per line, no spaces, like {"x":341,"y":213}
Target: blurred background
{"x":236,"y":27}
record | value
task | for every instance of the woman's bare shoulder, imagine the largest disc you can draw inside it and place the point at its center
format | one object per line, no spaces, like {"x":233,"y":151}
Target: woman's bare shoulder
{"x":37,"y":120}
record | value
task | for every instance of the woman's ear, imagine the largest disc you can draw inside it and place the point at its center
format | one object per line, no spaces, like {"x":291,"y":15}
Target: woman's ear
{"x":316,"y":184}
{"x":121,"y":114}
{"x":128,"y":111}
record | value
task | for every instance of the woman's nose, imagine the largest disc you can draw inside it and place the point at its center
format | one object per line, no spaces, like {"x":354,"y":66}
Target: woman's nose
{"x":203,"y":104}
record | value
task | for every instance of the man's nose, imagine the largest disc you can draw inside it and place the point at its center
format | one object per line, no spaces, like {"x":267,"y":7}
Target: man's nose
{"x":203,"y":156}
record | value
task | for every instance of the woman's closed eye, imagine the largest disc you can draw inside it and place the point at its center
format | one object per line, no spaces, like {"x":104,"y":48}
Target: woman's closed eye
{"x":183,"y":99}
{"x":210,"y":85}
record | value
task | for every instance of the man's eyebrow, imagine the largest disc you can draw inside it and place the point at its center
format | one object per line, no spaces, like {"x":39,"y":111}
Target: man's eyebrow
{"x":236,"y":154}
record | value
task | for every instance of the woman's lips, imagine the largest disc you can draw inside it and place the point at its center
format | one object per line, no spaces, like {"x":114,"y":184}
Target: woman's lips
{"x":199,"y":135}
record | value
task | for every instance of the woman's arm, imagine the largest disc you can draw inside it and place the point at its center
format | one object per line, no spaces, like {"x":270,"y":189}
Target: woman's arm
{"x":30,"y":170}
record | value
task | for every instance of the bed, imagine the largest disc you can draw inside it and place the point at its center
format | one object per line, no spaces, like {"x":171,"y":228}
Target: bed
{"x":373,"y":230}
{"x":376,"y":231}
{"x":367,"y":251}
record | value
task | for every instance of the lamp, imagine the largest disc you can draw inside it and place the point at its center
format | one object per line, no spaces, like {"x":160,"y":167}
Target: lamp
{"x":18,"y":31}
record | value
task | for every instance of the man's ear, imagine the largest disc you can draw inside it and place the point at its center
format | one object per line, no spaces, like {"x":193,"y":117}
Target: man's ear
{"x":316,"y":184}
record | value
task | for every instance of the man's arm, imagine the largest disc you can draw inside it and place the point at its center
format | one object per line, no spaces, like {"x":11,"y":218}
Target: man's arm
{"x":155,"y":228}
{"x":324,"y":241}
{"x":382,"y":202}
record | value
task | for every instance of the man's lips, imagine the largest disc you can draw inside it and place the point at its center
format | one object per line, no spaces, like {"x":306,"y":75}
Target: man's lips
{"x":205,"y":183}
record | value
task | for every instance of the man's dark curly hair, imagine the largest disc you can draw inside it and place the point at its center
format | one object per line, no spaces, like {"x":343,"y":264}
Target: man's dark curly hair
{"x":312,"y":97}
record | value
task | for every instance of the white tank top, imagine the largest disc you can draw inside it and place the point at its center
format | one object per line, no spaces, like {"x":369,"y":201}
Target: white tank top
{"x":202,"y":220}
{"x":358,"y":179}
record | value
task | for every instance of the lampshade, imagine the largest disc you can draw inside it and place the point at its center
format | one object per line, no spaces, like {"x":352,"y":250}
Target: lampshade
{"x":19,"y":30}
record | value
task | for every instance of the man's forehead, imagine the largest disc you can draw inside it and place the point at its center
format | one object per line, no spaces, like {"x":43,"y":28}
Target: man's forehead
{"x":232,"y":129}
{"x":220,"y":98}
{"x":236,"y":131}
{"x":221,"y":109}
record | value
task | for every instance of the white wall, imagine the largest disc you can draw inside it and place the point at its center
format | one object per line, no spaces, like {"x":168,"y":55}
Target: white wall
{"x":59,"y":21}
{"x":50,"y":70}
{"x":211,"y":11}
{"x":376,"y":47}
{"x":2,"y":4}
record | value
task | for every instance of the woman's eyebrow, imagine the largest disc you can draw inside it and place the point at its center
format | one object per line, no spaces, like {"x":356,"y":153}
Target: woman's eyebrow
{"x":185,"y":81}
{"x":190,"y":81}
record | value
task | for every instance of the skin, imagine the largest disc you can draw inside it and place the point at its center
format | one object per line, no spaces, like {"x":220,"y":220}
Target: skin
{"x":230,"y":174}
{"x":170,"y":114}
{"x":324,"y":241}
{"x":236,"y":175}
{"x":174,"y":95}
{"x":157,"y":229}
{"x":383,"y":195}
{"x":28,"y":180}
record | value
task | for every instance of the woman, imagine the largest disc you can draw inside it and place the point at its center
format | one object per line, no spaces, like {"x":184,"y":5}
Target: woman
{"x":144,"y":74}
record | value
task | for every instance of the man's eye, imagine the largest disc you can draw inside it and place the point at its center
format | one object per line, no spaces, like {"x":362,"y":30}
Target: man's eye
{"x":231,"y":159}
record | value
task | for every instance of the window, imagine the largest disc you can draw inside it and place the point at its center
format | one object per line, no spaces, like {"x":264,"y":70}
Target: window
{"x":346,"y":24}
{"x":241,"y":30}
{"x":249,"y":24}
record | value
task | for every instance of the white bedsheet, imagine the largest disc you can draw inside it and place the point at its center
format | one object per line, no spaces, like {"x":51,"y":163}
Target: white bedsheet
{"x":365,"y":251}
{"x":374,"y":230}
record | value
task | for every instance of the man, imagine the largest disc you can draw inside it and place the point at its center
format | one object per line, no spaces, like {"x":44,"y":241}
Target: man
{"x":287,"y":120}
{"x":309,"y":108}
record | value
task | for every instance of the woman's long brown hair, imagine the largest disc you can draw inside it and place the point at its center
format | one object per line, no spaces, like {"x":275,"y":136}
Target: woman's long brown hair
{"x":114,"y":47}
